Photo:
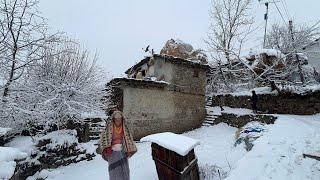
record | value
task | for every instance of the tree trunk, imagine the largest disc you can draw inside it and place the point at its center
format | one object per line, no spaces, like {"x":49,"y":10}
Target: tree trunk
{"x":6,"y":87}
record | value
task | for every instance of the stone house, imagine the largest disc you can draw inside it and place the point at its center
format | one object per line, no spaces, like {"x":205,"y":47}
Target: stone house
{"x":161,"y":93}
{"x":312,"y":51}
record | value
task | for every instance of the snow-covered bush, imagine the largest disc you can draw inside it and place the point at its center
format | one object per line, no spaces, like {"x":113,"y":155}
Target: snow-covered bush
{"x":8,"y":155}
{"x":211,"y":172}
{"x":55,"y":149}
{"x":57,"y":88}
{"x":68,"y":84}
{"x":44,"y":79}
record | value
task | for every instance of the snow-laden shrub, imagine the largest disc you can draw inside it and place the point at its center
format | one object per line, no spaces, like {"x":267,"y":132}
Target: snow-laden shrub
{"x":211,"y":172}
{"x":59,"y":87}
{"x":55,"y":149}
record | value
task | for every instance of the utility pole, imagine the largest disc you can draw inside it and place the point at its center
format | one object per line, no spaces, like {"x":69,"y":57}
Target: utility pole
{"x":266,"y":17}
{"x":295,"y":52}
{"x":265,"y":27}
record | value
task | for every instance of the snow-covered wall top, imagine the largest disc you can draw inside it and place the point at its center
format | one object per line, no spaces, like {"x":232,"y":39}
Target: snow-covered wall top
{"x":174,"y":142}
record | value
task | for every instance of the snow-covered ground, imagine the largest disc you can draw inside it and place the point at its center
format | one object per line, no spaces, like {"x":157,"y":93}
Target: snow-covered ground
{"x":277,"y":154}
{"x":216,"y":149}
{"x":7,"y":163}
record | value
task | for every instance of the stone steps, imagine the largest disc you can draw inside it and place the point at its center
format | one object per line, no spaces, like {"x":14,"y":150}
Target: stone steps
{"x":94,"y":137}
{"x":99,"y":128}
{"x":209,"y":120}
{"x":96,"y":127}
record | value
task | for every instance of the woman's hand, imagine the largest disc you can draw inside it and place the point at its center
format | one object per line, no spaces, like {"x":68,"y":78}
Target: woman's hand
{"x":107,"y":153}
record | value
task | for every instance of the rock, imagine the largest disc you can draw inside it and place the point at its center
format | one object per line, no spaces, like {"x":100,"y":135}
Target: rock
{"x":180,"y":49}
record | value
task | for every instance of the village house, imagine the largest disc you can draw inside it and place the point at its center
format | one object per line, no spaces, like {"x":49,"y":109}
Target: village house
{"x":312,"y":51}
{"x":160,"y":93}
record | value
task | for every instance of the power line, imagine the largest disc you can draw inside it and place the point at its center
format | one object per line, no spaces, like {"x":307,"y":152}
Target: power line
{"x":286,"y":9}
{"x":285,"y":2}
{"x":285,"y":22}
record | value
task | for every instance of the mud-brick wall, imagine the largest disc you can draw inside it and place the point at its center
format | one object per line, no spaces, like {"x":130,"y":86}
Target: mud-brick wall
{"x":149,"y":111}
{"x":283,"y":103}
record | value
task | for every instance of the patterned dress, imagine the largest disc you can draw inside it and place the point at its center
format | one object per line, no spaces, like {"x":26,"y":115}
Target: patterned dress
{"x":118,"y":162}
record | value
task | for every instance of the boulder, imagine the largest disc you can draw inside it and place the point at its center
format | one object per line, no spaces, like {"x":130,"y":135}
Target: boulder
{"x":180,"y":49}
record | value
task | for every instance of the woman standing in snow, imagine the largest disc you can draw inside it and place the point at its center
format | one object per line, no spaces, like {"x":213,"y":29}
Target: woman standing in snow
{"x":116,"y":146}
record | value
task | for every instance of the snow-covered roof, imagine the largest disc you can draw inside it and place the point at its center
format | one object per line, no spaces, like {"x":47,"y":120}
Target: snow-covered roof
{"x":174,"y":142}
{"x":174,"y":60}
{"x":269,"y":52}
{"x":142,"y":83}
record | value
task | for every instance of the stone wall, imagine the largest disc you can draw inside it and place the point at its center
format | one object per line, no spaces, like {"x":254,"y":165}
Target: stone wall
{"x":191,"y":80}
{"x":239,"y":121}
{"x":283,"y":103}
{"x":149,"y":111}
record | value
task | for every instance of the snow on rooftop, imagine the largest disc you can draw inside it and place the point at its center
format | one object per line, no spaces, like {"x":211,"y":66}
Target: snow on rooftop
{"x":269,"y":52}
{"x":145,"y":79}
{"x":174,"y":142}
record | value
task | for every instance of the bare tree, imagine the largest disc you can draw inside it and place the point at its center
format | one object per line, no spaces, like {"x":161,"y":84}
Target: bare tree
{"x":290,"y":40}
{"x":22,"y":36}
{"x":279,"y":37}
{"x":231,"y":24}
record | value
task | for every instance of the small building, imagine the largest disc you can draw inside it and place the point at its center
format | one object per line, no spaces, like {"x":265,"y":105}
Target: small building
{"x":161,"y":93}
{"x":312,"y":51}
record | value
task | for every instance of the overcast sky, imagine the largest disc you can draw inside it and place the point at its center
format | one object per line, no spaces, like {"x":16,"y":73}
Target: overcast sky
{"x":119,"y":29}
